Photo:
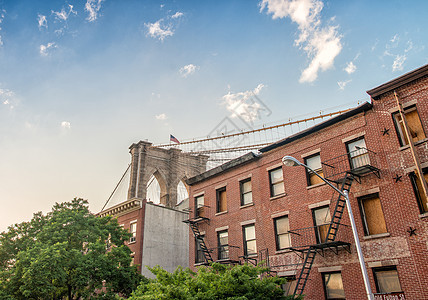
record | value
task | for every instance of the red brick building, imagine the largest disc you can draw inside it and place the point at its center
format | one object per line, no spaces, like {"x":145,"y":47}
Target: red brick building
{"x":256,"y":209}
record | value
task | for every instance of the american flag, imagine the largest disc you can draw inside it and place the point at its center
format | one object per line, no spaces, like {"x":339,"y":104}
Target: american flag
{"x":173,"y":139}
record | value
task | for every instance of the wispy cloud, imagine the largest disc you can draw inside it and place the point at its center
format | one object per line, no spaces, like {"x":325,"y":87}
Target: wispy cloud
{"x":177,"y":15}
{"x":240,"y":106}
{"x":65,"y":125}
{"x":398,"y":63}
{"x":2,"y":14}
{"x":158,"y":30}
{"x":350,"y":68}
{"x":321,"y":44}
{"x":44,"y":49}
{"x":161,"y":117}
{"x":8,"y":98}
{"x":342,"y":84}
{"x":93,"y":8}
{"x":43,"y":22}
{"x":188,"y":70}
{"x":63,"y":15}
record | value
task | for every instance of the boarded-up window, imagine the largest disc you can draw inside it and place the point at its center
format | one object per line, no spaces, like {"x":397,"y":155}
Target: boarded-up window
{"x":415,"y":126}
{"x":372,"y":215}
{"x":199,"y":204}
{"x":322,"y":221}
{"x":419,"y":192}
{"x":221,"y":200}
{"x":314,"y":162}
{"x":276,"y":181}
{"x":250,"y":246}
{"x":246,"y":192}
{"x":282,"y":228}
{"x":289,"y":286}
{"x":333,"y":285}
{"x":387,"y":280}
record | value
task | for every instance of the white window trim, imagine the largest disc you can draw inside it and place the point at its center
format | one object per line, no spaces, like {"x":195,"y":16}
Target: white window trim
{"x":248,"y":222}
{"x":310,"y":153}
{"x":353,"y":137}
{"x":319,"y":204}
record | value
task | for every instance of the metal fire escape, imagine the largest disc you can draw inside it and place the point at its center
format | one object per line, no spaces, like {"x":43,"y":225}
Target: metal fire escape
{"x":199,"y":238}
{"x":342,"y":170}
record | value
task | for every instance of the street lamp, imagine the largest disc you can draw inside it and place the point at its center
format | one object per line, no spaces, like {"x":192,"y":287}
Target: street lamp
{"x":290,"y":161}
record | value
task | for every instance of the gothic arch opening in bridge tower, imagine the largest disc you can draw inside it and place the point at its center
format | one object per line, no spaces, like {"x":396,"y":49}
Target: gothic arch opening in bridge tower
{"x":182,"y":191}
{"x":156,"y":188}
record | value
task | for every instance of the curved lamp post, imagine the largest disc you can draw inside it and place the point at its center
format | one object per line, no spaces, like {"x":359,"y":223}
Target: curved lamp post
{"x":290,"y":161}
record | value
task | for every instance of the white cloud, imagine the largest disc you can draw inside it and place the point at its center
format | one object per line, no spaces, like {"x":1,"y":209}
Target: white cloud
{"x":350,"y":68}
{"x":159,"y":31}
{"x":44,"y":49}
{"x":43,"y":22}
{"x":65,"y":125}
{"x":321,"y":44}
{"x":342,"y":84}
{"x":398,"y":63}
{"x":8,"y":98}
{"x":177,"y":15}
{"x":63,"y":15}
{"x":395,"y":38}
{"x":240,"y":104}
{"x":93,"y":7}
{"x":161,"y":117}
{"x":409,"y":46}
{"x":2,"y":14}
{"x":188,"y":70}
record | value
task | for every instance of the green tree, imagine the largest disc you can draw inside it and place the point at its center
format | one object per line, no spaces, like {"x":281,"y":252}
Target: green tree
{"x":67,"y":253}
{"x":214,"y":282}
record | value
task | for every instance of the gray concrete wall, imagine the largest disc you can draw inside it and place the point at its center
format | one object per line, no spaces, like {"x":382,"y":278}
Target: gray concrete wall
{"x":165,"y":240}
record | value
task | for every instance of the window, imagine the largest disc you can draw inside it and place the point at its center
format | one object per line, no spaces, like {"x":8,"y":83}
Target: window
{"x":221,"y":200}
{"x":246,"y":192}
{"x":282,"y":235}
{"x":199,"y":254}
{"x":132,"y":258}
{"x":276,"y":182}
{"x":199,"y":207}
{"x":322,"y":221}
{"x":333,"y":285}
{"x":314,"y":162}
{"x":372,"y":215}
{"x":250,"y":246}
{"x":414,"y":124}
{"x":386,"y":280}
{"x":358,"y":155}
{"x":133,"y":231}
{"x":223,"y":244}
{"x":419,"y":192}
{"x":289,"y":286}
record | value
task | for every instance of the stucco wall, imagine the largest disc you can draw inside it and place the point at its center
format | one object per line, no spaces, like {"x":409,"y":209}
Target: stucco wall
{"x":166,"y":239}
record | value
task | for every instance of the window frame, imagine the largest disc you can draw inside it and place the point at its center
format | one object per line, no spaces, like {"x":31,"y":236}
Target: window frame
{"x":413,"y":179}
{"x":272,"y":184}
{"x":218,"y":193}
{"x":199,"y":211}
{"x":133,"y":238}
{"x":360,"y":201}
{"x":277,"y":235}
{"x":354,"y":158}
{"x":386,"y":268}
{"x":241,"y":191}
{"x":245,"y":240}
{"x":198,"y":250}
{"x":398,"y":130}
{"x":317,"y":232}
{"x":290,"y":284}
{"x":308,"y":173}
{"x":222,"y":248}
{"x":325,"y":285}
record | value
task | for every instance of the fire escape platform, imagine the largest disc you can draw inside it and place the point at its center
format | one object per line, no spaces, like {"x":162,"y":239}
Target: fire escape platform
{"x":196,"y":220}
{"x":334,"y":246}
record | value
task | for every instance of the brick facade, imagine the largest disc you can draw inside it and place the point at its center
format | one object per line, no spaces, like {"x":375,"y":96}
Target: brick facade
{"x":395,"y":247}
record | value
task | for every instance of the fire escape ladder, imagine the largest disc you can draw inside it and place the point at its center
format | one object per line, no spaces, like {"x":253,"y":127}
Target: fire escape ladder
{"x":207,"y":252}
{"x":339,"y":208}
{"x":304,"y":272}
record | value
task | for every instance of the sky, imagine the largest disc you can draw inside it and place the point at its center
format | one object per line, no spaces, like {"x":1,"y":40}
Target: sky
{"x":80,"y":81}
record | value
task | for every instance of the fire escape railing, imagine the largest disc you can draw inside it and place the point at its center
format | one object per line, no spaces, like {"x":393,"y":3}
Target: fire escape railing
{"x":358,"y":162}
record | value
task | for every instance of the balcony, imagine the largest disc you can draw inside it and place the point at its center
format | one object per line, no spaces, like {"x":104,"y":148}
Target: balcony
{"x":303,"y":238}
{"x":357,"y":163}
{"x":226,"y":254}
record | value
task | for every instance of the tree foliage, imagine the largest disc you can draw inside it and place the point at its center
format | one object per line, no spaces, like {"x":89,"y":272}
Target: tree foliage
{"x":67,"y":253}
{"x":218,"y":281}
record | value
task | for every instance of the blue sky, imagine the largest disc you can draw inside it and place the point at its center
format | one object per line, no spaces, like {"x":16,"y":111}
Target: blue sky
{"x":80,"y":81}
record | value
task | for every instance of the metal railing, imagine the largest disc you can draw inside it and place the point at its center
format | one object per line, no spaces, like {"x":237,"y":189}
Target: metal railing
{"x":358,"y":162}
{"x":226,"y":253}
